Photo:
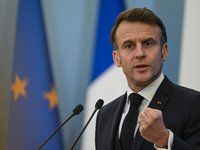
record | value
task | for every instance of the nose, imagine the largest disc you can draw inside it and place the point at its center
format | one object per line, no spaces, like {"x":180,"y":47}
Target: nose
{"x":139,"y":53}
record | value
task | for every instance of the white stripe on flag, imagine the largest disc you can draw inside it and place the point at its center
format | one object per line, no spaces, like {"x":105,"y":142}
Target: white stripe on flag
{"x":189,"y":62}
{"x":108,"y":86}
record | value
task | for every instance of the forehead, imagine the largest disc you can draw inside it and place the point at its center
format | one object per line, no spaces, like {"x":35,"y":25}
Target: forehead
{"x":136,"y":31}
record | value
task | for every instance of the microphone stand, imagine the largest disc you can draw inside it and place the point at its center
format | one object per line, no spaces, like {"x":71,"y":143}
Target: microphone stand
{"x":76,"y":111}
{"x":83,"y":129}
{"x":98,"y":105}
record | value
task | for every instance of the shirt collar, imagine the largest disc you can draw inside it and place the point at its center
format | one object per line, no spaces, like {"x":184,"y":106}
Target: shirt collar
{"x":149,"y":91}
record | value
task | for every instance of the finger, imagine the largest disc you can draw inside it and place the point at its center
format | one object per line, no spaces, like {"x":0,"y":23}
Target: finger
{"x":142,"y":119}
{"x":142,"y":116}
{"x":148,"y":111}
{"x":141,"y":122}
{"x":151,"y":111}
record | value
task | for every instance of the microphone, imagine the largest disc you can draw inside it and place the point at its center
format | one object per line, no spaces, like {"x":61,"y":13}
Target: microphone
{"x":77,"y":110}
{"x":98,"y":105}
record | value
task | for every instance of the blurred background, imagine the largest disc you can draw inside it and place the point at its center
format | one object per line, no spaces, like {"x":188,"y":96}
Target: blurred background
{"x":70,"y":31}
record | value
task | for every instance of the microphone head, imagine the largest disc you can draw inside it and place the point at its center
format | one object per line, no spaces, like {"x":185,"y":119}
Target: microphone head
{"x":78,"y":109}
{"x":99,"y":104}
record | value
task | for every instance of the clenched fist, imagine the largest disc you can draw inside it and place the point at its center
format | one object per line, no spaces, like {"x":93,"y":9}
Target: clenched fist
{"x":152,"y":127}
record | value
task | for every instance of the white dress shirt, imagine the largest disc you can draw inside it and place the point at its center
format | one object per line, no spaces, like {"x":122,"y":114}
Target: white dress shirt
{"x":148,"y":94}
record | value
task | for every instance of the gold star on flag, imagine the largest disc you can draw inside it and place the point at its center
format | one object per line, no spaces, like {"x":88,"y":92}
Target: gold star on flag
{"x":19,"y":87}
{"x":51,"y":97}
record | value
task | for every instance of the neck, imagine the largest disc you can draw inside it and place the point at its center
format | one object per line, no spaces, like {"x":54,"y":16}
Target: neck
{"x":137,"y":87}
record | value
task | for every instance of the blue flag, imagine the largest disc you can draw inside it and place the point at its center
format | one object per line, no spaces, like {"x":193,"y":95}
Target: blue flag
{"x":104,"y":76}
{"x":33,"y":107}
{"x":109,"y":10}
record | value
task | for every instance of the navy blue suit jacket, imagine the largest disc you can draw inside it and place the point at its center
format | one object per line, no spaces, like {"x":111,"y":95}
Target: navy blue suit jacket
{"x":180,"y":107}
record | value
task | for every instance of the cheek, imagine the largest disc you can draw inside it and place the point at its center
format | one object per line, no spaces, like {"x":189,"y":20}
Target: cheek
{"x":156,"y":60}
{"x":158,"y":56}
{"x":124,"y":59}
{"x":158,"y":63}
{"x":129,"y":58}
{"x":126,"y":65}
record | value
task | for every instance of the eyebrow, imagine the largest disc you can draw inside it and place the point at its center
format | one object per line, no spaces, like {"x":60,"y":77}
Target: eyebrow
{"x":148,"y":39}
{"x":125,"y":42}
{"x":143,"y":41}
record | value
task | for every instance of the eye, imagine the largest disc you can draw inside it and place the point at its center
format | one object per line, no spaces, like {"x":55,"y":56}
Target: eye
{"x":148,"y":44}
{"x":129,"y":46}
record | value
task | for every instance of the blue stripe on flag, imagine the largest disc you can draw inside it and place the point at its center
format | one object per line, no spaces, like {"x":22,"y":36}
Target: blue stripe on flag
{"x":109,"y":10}
{"x":33,"y":107}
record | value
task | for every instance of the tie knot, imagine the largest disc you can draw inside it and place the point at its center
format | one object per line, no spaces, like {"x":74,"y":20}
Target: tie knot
{"x":135,"y":98}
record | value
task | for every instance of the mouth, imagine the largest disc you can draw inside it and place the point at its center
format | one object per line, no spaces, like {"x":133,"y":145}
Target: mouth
{"x":141,"y":66}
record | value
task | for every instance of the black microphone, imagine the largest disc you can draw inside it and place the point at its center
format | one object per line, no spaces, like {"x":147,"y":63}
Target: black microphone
{"x":76,"y":111}
{"x":98,"y":105}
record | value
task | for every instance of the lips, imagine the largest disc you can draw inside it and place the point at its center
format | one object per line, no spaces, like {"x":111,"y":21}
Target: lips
{"x":141,"y":67}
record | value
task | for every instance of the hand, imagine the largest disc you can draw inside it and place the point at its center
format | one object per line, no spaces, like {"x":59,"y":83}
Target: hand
{"x":152,"y":127}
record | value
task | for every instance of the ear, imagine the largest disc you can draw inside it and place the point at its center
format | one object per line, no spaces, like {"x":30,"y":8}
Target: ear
{"x":165,"y":52}
{"x":116,"y":58}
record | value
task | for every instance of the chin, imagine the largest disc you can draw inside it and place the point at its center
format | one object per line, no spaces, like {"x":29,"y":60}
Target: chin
{"x":144,"y":80}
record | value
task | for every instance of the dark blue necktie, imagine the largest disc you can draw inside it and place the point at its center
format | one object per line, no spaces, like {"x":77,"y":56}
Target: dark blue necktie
{"x":130,"y":121}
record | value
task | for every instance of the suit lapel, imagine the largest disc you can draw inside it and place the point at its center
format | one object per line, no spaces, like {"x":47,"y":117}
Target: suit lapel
{"x":117,"y":112}
{"x":158,"y":102}
{"x":160,"y":99}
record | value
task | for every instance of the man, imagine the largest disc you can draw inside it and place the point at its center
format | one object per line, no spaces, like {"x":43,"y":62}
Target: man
{"x":168,"y":114}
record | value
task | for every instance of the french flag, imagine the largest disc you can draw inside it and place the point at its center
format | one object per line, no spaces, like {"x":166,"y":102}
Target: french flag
{"x":107,"y":81}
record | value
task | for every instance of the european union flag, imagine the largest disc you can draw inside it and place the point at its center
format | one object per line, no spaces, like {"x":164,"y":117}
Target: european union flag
{"x":33,"y":108}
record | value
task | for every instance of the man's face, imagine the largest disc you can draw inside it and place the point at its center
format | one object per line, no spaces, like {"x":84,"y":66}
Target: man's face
{"x":139,"y":52}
